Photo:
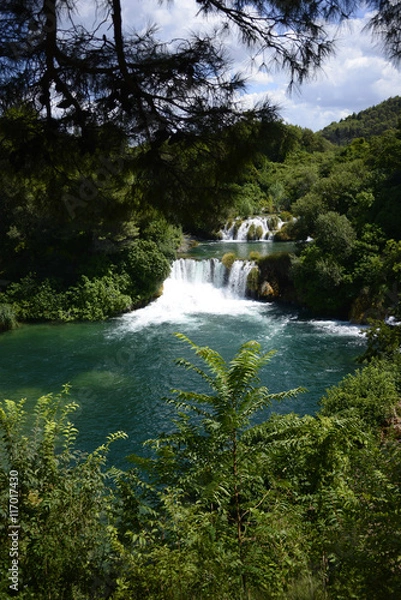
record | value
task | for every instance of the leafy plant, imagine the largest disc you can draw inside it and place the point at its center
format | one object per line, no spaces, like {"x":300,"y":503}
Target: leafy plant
{"x":370,"y":393}
{"x":8,"y":318}
{"x":203,"y":482}
{"x":65,"y":542}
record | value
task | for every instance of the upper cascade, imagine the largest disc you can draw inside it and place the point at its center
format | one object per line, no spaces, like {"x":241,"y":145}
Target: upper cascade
{"x":251,"y":229}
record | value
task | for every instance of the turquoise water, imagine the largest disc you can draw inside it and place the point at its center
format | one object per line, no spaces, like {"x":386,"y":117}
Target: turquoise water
{"x":241,"y":249}
{"x":120,"y":370}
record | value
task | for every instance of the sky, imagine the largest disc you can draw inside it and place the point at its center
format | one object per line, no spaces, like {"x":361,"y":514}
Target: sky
{"x":357,"y":77}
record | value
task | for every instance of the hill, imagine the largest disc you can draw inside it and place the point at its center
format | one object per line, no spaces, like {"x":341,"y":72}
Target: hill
{"x":367,"y":123}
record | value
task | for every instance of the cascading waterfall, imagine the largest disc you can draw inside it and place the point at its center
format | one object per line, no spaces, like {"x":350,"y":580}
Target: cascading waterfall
{"x":254,"y":228}
{"x":188,"y":270}
{"x":212,"y":271}
{"x":198,"y":287}
{"x":238,"y":276}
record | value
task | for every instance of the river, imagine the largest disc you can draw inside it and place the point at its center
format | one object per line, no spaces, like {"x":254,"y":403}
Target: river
{"x":121,"y":369}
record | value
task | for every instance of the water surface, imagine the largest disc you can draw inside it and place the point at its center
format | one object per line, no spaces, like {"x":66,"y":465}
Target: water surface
{"x":120,"y":370}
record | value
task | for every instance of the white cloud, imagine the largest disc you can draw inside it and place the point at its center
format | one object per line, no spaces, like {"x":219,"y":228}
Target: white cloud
{"x":359,"y":76}
{"x":174,"y":19}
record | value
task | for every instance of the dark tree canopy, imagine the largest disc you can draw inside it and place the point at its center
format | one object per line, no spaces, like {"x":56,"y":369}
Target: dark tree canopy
{"x":81,"y":76}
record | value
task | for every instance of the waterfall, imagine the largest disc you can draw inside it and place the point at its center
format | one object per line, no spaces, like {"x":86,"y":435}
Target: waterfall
{"x":254,"y":228}
{"x":212,"y":272}
{"x":238,"y":276}
{"x":198,"y":287}
{"x":188,"y":270}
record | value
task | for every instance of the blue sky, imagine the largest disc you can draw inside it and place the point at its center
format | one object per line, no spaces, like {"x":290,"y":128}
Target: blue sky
{"x":357,"y":77}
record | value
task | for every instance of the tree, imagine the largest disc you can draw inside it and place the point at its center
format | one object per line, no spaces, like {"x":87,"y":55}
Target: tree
{"x":335,"y":235}
{"x":80,"y":77}
{"x":200,"y":491}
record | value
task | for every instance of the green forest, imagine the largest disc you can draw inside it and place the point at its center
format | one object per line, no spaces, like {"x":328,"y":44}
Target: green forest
{"x":88,"y":237}
{"x":116,"y":148}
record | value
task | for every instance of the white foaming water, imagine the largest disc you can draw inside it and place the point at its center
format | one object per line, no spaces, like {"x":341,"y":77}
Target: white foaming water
{"x":339,"y":327}
{"x":238,"y":277}
{"x":188,"y":270}
{"x":198,"y":287}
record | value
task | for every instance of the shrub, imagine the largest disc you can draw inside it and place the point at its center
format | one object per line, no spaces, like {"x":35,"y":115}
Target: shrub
{"x":228,"y":259}
{"x":273,"y":222}
{"x":371,"y":393}
{"x":8,"y":319}
{"x":33,"y":299}
{"x":285,"y":234}
{"x":65,"y":550}
{"x":99,"y":298}
{"x":167,"y":237}
{"x":285,"y":216}
{"x":252,"y":280}
{"x":259,"y":232}
{"x":90,"y":300}
{"x":146,"y":266}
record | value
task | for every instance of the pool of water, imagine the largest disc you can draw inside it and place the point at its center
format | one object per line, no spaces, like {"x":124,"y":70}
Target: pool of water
{"x":121,"y":369}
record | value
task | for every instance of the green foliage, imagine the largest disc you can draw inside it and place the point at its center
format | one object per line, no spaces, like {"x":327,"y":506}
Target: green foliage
{"x":367,"y":123}
{"x":321,"y":282}
{"x":252,"y":281}
{"x":383,"y":341}
{"x":252,"y":233}
{"x":276,"y":269}
{"x":308,"y":588}
{"x":8,"y":318}
{"x":146,"y":267}
{"x":334,"y":235}
{"x":321,"y":273}
{"x":228,"y":259}
{"x":166,"y":236}
{"x":370,"y":393}
{"x":89,"y":300}
{"x":254,"y":256}
{"x":33,"y":299}
{"x":100,"y":298}
{"x":203,"y":482}
{"x":220,"y":507}
{"x":64,"y":542}
{"x":69,"y":217}
{"x":273,"y":222}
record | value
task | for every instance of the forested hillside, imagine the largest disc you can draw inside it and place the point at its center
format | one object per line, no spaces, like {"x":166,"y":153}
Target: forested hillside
{"x":113,"y":144}
{"x":365,"y":124}
{"x":91,"y":234}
